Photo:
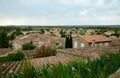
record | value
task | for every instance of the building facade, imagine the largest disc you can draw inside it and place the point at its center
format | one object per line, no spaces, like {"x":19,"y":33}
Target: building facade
{"x":90,"y":41}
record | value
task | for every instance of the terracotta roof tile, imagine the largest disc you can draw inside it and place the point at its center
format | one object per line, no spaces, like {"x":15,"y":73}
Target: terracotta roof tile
{"x":4,"y":51}
{"x":95,"y":38}
{"x":115,"y":42}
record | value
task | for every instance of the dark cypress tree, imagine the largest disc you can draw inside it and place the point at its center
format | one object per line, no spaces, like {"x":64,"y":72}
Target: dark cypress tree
{"x":71,"y":43}
{"x":4,"y":39}
{"x":68,"y":43}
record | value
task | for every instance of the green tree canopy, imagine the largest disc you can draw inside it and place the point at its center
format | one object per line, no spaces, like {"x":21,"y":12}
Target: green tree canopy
{"x":28,"y":46}
{"x":4,"y":39}
{"x":18,"y":32}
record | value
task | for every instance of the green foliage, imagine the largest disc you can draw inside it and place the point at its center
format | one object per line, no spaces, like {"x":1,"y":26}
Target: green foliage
{"x":68,"y":43}
{"x":16,"y":56}
{"x":82,"y":33}
{"x":13,"y":57}
{"x":12,"y":36}
{"x":61,"y":31}
{"x":4,"y":39}
{"x":3,"y":59}
{"x":60,"y":47}
{"x":63,"y":35}
{"x":28,"y":71}
{"x":18,"y":32}
{"x":117,"y":33}
{"x":98,"y":68}
{"x":26,"y":28}
{"x":42,"y":31}
{"x":47,"y":29}
{"x":45,"y":51}
{"x":28,"y":46}
{"x":52,"y":34}
{"x":57,"y":43}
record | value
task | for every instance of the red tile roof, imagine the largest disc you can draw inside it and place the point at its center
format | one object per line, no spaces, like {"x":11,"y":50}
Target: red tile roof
{"x":115,"y":42}
{"x":4,"y":51}
{"x":95,"y":38}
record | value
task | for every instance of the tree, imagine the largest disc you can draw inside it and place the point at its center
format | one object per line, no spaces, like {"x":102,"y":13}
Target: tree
{"x":118,"y":32}
{"x":68,"y":43}
{"x":82,"y":33}
{"x":63,"y":35}
{"x":71,"y":41}
{"x":4,"y":39}
{"x":61,"y":31}
{"x":28,"y":46}
{"x":42,"y":31}
{"x":12,"y":36}
{"x":44,"y":51}
{"x":18,"y":32}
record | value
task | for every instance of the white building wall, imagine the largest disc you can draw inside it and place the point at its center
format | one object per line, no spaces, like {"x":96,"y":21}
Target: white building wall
{"x":75,"y":45}
{"x":16,"y":46}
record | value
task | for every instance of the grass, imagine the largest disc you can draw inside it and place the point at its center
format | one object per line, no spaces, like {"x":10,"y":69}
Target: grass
{"x":99,"y":68}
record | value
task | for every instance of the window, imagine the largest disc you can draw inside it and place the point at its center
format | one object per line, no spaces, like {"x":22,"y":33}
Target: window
{"x":100,"y":44}
{"x":82,"y":45}
{"x":75,"y":44}
{"x":106,"y":44}
{"x":95,"y":44}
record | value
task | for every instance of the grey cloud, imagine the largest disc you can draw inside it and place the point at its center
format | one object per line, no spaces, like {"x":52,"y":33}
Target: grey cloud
{"x":61,"y":10}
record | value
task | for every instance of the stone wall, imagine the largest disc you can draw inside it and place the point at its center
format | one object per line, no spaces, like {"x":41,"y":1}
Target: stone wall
{"x":79,"y":42}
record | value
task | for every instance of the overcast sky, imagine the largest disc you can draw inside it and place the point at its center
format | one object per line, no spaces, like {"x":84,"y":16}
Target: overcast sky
{"x":59,"y":12}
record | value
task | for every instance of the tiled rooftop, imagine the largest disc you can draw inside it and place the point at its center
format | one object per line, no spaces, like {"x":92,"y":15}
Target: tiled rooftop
{"x":93,"y":53}
{"x":36,"y":37}
{"x":115,"y":42}
{"x":95,"y":38}
{"x":48,"y":60}
{"x":4,"y":51}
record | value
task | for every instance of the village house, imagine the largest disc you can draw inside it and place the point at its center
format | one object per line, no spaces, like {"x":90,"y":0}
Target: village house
{"x":116,"y":43}
{"x":38,"y":40}
{"x":90,"y":32}
{"x":25,"y":32}
{"x":19,"y":41}
{"x":110,"y":32}
{"x":90,"y":41}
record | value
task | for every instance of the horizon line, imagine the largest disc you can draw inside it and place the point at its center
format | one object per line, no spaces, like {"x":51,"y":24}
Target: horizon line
{"x":67,"y":25}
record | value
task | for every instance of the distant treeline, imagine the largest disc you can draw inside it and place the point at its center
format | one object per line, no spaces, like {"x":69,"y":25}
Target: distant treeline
{"x":10,"y":28}
{"x":30,"y":27}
